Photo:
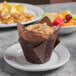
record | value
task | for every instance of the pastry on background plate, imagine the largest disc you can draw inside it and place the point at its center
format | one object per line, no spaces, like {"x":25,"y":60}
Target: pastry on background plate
{"x":38,"y":40}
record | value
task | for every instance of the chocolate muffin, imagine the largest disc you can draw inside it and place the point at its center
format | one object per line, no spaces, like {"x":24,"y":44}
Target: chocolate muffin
{"x":38,"y":41}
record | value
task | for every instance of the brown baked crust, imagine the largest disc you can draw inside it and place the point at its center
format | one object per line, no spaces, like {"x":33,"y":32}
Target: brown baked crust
{"x":38,"y":32}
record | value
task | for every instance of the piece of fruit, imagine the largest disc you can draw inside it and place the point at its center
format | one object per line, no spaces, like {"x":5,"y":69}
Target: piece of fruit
{"x":66,"y":12}
{"x":74,"y":16}
{"x":60,"y":15}
{"x":70,"y":23}
{"x":58,"y":21}
{"x":51,"y":16}
{"x":68,"y":17}
{"x":74,"y":22}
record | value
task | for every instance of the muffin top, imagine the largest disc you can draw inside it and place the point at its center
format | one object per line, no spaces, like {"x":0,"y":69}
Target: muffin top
{"x":38,"y":32}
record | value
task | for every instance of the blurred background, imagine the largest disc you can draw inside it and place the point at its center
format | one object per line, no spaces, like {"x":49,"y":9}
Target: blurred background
{"x":40,"y":1}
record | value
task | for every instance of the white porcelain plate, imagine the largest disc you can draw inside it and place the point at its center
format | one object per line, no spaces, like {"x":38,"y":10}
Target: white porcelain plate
{"x":67,"y":30}
{"x":15,"y":58}
{"x":32,"y":9}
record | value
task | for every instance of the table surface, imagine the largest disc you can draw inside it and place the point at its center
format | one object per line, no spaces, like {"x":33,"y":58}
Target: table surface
{"x":9,"y":37}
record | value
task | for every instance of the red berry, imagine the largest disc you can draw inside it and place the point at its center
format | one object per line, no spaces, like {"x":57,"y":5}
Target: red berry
{"x":58,"y":21}
{"x":68,"y":17}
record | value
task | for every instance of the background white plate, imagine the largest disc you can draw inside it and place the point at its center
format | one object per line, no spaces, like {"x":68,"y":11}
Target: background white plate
{"x":15,"y":58}
{"x":67,"y":30}
{"x":37,"y":11}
